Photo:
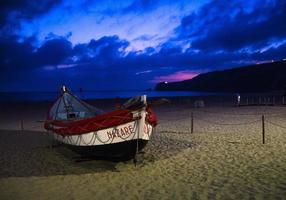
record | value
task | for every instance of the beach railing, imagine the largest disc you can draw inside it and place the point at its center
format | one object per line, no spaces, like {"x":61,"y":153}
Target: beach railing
{"x":262,"y":120}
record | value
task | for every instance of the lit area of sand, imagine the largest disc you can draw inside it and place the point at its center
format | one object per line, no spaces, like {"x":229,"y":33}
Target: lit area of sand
{"x":223,"y":158}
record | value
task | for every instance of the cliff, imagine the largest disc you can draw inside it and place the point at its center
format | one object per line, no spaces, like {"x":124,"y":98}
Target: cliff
{"x":254,"y":78}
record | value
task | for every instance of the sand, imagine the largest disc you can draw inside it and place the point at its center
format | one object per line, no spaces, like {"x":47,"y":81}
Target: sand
{"x":223,"y":158}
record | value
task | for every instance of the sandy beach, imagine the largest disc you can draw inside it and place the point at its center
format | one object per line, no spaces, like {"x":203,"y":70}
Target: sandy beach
{"x":223,"y":158}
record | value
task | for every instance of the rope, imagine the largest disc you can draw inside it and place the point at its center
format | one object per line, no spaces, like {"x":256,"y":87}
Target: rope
{"x":279,"y":116}
{"x":104,"y":142}
{"x":69,"y":138}
{"x":92,"y":138}
{"x":275,"y":124}
{"x":178,"y":132}
{"x":239,"y":114}
{"x":179,"y":118}
{"x":212,"y":112}
{"x":228,"y":124}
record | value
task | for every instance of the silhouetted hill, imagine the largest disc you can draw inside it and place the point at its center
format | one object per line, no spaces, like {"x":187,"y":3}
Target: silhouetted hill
{"x":254,"y":78}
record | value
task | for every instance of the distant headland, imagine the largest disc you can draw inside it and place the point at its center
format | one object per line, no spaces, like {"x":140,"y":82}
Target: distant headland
{"x":253,"y":78}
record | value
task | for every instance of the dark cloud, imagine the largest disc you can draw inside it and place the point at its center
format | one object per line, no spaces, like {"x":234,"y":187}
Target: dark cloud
{"x":12,"y":11}
{"x":16,"y":55}
{"x":54,"y":52}
{"x":231,"y":26}
{"x":108,"y":48}
{"x":102,"y":52}
{"x":24,"y":56}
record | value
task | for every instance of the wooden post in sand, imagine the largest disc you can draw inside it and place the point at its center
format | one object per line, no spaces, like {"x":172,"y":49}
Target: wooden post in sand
{"x":192,"y":122}
{"x":263,"y":130}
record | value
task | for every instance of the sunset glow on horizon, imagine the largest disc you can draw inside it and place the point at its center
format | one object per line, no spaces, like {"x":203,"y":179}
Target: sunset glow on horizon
{"x":177,"y":76}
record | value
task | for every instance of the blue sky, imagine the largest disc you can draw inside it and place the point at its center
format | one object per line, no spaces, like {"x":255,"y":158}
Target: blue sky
{"x":132,"y":44}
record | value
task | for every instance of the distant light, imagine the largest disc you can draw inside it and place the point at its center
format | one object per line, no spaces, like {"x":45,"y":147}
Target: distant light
{"x":284,"y":59}
{"x":165,"y":82}
{"x":272,"y":60}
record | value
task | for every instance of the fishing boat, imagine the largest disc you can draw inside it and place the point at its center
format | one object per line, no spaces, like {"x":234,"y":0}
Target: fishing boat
{"x":89,"y":131}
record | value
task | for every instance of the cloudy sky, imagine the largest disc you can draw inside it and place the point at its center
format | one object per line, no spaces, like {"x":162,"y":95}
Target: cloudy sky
{"x":132,"y":44}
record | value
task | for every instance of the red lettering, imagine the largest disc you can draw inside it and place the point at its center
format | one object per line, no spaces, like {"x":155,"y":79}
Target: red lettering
{"x":114,"y":133}
{"x":130,"y":129}
{"x":122,"y":131}
{"x":126,"y":130}
{"x":109,"y":134}
{"x":117,"y":133}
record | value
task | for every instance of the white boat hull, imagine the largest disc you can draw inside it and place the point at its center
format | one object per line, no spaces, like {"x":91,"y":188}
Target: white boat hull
{"x":116,"y":134}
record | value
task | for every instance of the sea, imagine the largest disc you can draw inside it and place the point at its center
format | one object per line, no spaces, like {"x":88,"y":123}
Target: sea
{"x":91,"y":95}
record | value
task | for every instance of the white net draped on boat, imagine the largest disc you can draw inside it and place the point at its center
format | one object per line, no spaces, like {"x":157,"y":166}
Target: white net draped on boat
{"x":69,"y":107}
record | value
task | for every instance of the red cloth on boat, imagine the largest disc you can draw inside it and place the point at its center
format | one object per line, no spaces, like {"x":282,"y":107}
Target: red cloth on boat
{"x":96,"y":123}
{"x":151,"y":117}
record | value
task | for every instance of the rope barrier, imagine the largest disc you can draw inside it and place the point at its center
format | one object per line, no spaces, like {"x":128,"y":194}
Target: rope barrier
{"x":223,"y":113}
{"x":275,"y":124}
{"x":228,"y":124}
{"x":178,"y":132}
{"x":279,"y":116}
{"x":179,"y":118}
{"x":239,"y":114}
